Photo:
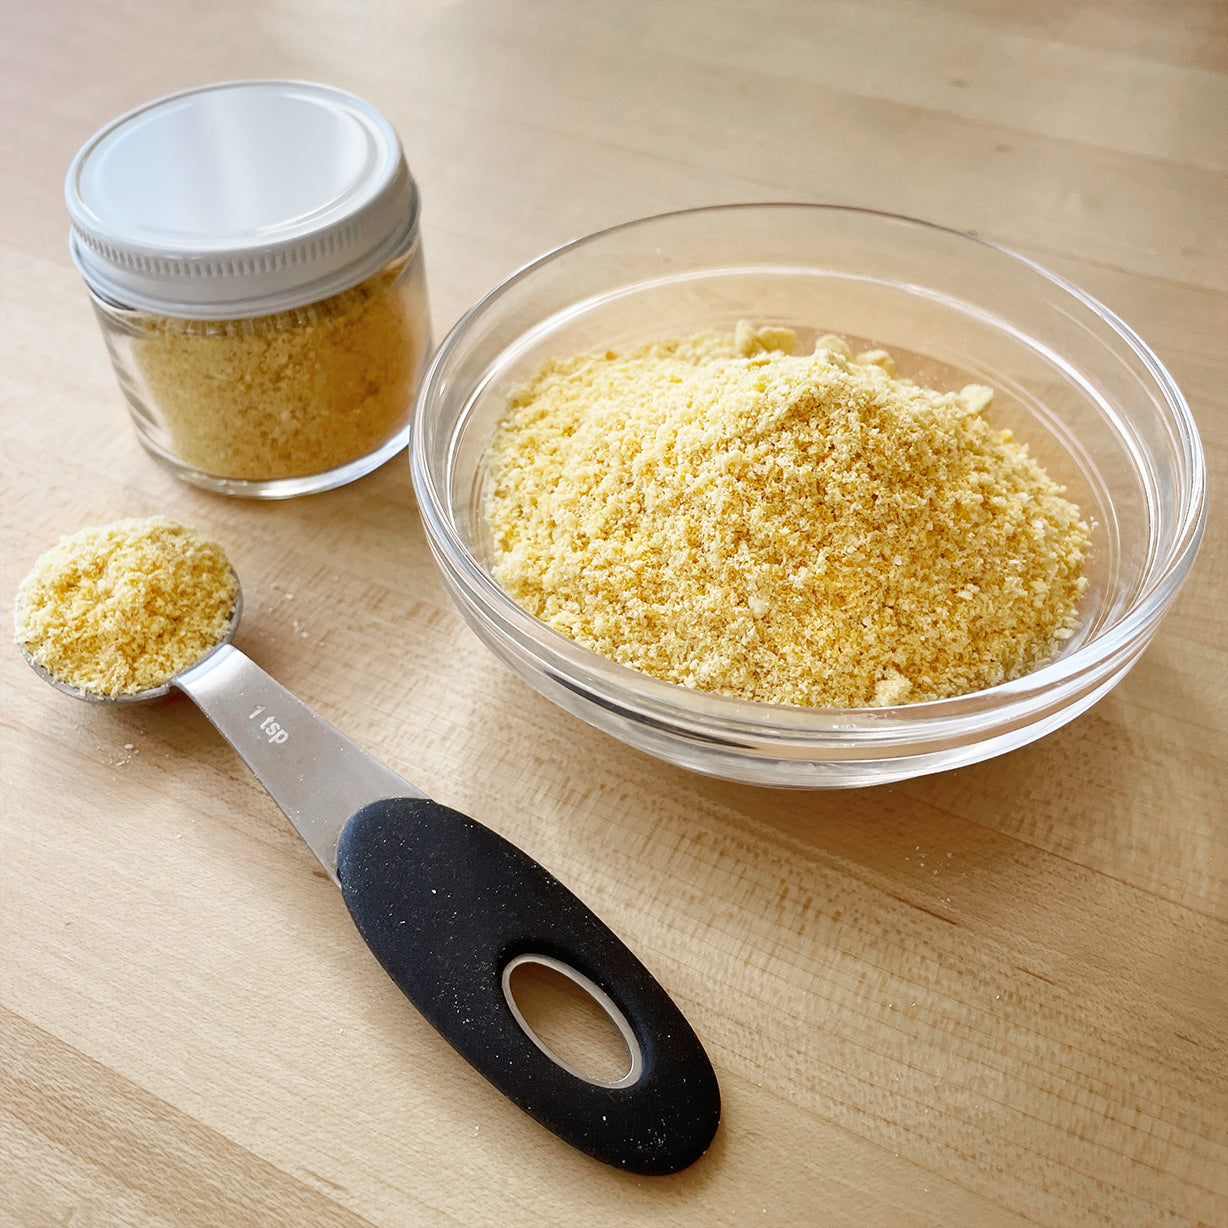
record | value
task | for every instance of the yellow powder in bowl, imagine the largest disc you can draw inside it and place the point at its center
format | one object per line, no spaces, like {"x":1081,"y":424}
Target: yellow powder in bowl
{"x":122,"y":608}
{"x":718,"y":512}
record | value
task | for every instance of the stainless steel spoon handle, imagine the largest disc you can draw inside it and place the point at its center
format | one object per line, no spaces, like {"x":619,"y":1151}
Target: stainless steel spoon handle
{"x":315,"y":774}
{"x":448,"y":907}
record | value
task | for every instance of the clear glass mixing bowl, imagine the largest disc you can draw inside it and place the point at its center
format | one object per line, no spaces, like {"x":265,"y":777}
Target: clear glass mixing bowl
{"x":1093,"y":403}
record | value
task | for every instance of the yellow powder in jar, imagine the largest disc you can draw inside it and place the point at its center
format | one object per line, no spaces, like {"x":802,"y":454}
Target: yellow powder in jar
{"x":122,"y":608}
{"x":290,"y":394}
{"x":810,"y":530}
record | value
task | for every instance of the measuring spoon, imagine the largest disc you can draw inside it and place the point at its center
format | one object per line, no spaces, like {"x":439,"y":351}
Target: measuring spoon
{"x":451,"y":909}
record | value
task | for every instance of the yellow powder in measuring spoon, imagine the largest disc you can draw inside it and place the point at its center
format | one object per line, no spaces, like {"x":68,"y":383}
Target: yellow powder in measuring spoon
{"x":799,"y":529}
{"x":122,"y":608}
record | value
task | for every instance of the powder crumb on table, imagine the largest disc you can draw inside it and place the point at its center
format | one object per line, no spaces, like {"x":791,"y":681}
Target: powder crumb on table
{"x":122,"y":608}
{"x":718,"y":512}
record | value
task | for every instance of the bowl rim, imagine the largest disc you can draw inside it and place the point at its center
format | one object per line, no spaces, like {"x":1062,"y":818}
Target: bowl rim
{"x":622,"y":688}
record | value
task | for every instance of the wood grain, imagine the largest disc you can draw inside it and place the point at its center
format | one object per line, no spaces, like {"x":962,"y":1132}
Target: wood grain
{"x":995,"y":996}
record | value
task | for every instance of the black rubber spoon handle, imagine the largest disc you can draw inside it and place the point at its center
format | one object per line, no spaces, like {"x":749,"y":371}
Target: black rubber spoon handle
{"x":447,"y":906}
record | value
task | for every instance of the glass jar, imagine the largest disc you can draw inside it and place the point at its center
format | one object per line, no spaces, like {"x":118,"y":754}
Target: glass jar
{"x":254,"y":260}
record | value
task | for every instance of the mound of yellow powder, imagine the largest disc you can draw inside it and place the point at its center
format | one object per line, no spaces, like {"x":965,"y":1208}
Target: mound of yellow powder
{"x":720,"y":513}
{"x":121,"y":608}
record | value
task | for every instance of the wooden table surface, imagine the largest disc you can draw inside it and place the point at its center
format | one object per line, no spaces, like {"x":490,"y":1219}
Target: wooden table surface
{"x":995,"y":996}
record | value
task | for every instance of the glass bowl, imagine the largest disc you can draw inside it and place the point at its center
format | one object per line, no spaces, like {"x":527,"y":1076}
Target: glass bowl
{"x":1092,"y":402}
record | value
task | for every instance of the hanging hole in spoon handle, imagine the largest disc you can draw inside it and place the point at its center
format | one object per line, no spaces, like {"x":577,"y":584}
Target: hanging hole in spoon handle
{"x":446,"y":905}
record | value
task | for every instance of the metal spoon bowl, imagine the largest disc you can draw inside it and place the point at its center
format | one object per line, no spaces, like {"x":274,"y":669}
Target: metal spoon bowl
{"x":150,"y":693}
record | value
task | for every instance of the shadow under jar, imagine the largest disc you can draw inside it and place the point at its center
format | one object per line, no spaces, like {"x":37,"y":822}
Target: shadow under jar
{"x":253,"y":255}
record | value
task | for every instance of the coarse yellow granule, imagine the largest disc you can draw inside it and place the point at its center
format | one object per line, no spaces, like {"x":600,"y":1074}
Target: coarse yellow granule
{"x":122,"y":608}
{"x":809,"y":530}
{"x":290,"y":394}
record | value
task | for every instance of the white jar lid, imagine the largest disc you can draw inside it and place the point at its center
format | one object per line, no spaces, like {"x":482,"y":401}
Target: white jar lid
{"x":239,"y":199}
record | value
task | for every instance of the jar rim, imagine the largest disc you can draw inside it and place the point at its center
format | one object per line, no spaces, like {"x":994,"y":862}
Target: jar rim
{"x":239,"y":198}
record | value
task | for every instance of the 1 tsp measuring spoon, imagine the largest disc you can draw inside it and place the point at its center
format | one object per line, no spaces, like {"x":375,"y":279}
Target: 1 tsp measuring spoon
{"x":450,"y":909}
